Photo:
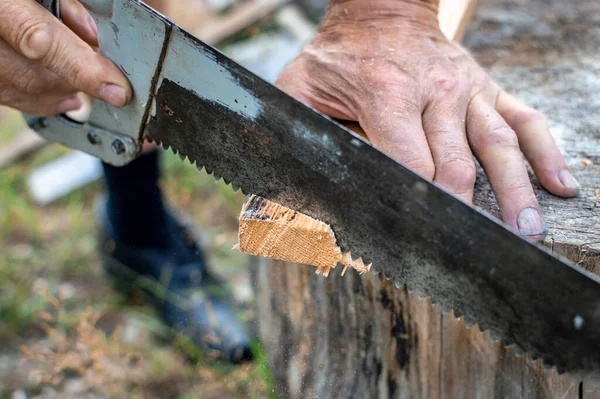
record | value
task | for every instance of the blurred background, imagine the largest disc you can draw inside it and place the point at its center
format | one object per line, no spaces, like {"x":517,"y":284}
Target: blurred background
{"x":64,"y":333}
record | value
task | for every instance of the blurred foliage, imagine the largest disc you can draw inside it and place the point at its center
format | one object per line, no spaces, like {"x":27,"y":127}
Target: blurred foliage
{"x":63,"y":327}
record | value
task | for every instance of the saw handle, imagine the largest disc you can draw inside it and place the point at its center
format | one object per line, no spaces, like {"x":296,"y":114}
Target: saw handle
{"x":79,"y":135}
{"x":131,"y":35}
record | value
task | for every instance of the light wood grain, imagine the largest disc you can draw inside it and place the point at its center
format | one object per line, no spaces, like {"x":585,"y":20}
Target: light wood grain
{"x":271,"y":230}
{"x":454,"y":17}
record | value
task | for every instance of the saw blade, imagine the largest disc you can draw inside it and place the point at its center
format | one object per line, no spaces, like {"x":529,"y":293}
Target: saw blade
{"x":227,"y":120}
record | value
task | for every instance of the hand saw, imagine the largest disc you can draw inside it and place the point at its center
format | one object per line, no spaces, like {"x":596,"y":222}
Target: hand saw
{"x":193,"y":99}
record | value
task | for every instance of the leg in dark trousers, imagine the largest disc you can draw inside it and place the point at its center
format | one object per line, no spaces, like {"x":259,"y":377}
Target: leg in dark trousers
{"x":142,"y":240}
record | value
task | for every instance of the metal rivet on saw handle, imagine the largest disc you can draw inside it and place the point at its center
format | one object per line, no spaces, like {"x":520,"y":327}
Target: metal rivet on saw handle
{"x":94,"y":138}
{"x":118,"y":147}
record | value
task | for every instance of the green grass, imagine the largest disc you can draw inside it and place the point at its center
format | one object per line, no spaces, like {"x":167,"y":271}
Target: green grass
{"x":263,"y":368}
{"x":52,"y":247}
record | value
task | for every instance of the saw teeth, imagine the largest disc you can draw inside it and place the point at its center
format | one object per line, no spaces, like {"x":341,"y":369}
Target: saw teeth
{"x":510,"y":348}
{"x":199,"y":166}
{"x":491,"y":338}
{"x":235,"y":187}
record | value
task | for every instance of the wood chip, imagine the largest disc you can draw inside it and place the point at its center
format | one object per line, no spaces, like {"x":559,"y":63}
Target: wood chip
{"x":271,"y":230}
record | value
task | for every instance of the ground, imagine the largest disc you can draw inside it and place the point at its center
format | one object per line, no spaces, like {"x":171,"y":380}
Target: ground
{"x":65,"y":333}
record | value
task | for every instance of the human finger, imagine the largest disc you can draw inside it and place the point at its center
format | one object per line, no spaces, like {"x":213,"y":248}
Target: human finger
{"x":496,"y":146}
{"x":38,"y":104}
{"x":79,"y":20}
{"x":538,"y":145}
{"x":27,"y":76}
{"x":444,"y":126}
{"x":40,"y":37}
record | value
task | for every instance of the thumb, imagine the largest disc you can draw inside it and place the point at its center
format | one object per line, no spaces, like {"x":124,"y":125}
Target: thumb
{"x":40,"y":37}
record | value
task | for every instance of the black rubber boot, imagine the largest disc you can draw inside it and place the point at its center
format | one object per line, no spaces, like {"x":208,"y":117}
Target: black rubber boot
{"x":175,"y":277}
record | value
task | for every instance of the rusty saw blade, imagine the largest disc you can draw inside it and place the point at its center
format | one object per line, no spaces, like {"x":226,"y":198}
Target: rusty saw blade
{"x":224,"y":118}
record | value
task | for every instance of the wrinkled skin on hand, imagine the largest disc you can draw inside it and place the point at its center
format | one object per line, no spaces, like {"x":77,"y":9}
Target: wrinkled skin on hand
{"x":427,"y":103}
{"x":44,"y":62}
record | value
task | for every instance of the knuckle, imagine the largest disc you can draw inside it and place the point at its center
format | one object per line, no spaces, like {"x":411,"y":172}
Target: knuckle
{"x":34,"y":39}
{"x":500,"y":135}
{"x":459,"y":170}
{"x":448,"y":78}
{"x":447,"y":84}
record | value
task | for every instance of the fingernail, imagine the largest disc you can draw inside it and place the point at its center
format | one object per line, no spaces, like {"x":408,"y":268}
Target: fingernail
{"x":69,"y":104}
{"x":530,"y":223}
{"x":92,"y":26}
{"x":113,"y":95}
{"x":567,"y":179}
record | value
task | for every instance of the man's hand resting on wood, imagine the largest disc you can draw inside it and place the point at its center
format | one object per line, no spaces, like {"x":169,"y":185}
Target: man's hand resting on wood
{"x":427,"y":103}
{"x":44,"y":63}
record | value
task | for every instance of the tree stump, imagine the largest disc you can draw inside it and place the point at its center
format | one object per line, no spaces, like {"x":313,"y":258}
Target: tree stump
{"x":360,"y":336}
